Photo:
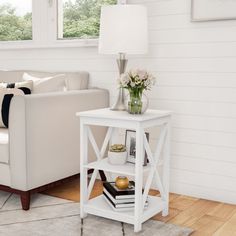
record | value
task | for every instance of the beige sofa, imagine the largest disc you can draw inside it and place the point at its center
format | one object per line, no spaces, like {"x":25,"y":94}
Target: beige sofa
{"x":41,"y":145}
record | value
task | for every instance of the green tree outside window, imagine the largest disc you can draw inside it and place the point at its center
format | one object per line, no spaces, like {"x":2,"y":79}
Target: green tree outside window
{"x":80,"y":20}
{"x":12,"y":26}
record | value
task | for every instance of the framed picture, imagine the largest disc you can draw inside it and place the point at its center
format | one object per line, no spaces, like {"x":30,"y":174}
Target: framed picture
{"x":212,"y":10}
{"x":130,"y":143}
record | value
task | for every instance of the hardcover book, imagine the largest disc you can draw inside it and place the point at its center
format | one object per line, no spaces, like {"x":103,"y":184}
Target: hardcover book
{"x":121,"y":207}
{"x":118,"y":201}
{"x":120,"y":193}
{"x":123,"y":204}
{"x":118,"y":209}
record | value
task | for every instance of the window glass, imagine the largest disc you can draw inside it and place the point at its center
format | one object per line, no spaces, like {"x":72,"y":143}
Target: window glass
{"x":15,"y":20}
{"x":80,"y":18}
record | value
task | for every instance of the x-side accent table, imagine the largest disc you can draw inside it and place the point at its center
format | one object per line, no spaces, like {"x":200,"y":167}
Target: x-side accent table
{"x":121,"y":119}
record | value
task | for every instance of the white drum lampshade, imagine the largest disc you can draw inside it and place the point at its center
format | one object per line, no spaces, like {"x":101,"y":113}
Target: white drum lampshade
{"x":123,"y":29}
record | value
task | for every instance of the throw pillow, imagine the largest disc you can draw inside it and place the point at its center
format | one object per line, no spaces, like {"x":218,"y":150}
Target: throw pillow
{"x":6,"y":95}
{"x":46,"y":85}
{"x":26,"y":86}
{"x":77,"y":80}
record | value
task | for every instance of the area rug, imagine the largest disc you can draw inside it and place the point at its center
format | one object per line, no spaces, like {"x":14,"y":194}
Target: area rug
{"x":50,"y":216}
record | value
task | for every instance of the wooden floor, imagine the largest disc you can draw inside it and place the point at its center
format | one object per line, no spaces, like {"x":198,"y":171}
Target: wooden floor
{"x":205,"y":217}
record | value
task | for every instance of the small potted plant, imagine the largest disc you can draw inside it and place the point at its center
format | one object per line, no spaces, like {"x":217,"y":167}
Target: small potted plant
{"x":117,"y":154}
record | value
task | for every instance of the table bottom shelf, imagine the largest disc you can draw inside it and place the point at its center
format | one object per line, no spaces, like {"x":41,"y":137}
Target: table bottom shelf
{"x":99,"y":207}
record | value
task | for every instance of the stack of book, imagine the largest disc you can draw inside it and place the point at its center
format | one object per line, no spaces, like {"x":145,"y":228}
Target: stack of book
{"x":119,"y":200}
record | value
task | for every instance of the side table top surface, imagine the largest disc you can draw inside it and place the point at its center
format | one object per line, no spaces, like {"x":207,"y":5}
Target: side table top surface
{"x":107,"y":113}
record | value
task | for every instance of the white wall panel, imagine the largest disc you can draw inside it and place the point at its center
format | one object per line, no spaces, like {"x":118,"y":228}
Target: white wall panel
{"x":200,"y":35}
{"x":197,"y":79}
{"x":193,"y":50}
{"x":204,"y":109}
{"x":220,"y":182}
{"x":208,"y":167}
{"x":204,"y":123}
{"x":222,"y":139}
{"x":201,"y":151}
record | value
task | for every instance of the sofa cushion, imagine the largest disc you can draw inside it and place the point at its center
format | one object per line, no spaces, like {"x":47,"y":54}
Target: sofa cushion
{"x":4,"y":147}
{"x":74,"y":80}
{"x":6,"y":96}
{"x":46,"y":85}
{"x":26,"y":86}
{"x":77,"y":81}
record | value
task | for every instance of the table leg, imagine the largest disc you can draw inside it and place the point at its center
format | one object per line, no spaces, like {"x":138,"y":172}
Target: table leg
{"x":83,"y":171}
{"x":166,"y":171}
{"x":138,"y":180}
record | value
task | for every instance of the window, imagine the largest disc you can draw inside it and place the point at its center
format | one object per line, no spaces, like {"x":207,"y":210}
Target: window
{"x":80,"y":18}
{"x":44,"y":23}
{"x":15,"y":20}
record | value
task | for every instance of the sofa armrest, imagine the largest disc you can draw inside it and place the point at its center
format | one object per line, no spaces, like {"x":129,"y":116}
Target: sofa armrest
{"x":44,"y":135}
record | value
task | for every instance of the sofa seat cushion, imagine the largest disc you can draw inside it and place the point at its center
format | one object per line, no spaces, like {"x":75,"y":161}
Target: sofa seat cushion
{"x":4,"y":147}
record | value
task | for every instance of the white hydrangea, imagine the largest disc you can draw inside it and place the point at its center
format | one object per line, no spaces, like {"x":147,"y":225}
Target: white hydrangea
{"x":142,"y":74}
{"x":132,"y":84}
{"x":124,"y":80}
{"x":137,"y":79}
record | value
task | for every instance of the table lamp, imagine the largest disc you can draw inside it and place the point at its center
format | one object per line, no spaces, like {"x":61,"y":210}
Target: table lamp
{"x":123,"y":30}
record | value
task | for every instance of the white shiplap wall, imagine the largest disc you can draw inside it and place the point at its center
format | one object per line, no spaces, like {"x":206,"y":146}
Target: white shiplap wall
{"x":195,"y":64}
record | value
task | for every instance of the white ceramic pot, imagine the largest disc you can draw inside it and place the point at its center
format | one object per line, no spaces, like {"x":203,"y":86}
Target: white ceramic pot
{"x":117,"y":158}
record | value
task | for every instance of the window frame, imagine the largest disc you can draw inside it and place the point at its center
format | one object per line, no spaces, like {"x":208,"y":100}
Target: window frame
{"x":45,"y":13}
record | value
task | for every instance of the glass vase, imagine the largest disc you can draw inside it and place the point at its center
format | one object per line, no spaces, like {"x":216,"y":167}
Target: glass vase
{"x":135,"y":103}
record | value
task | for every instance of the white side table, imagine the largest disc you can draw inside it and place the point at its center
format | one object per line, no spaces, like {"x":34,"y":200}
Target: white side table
{"x":121,"y":119}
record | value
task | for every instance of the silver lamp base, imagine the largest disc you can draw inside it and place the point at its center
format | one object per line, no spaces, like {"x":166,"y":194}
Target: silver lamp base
{"x":119,"y":105}
{"x":120,"y":102}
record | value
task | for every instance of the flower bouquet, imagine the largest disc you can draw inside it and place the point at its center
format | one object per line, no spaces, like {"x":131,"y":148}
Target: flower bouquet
{"x":136,"y":81}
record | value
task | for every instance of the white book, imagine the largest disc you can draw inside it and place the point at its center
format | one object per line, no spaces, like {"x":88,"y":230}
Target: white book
{"x":118,"y":209}
{"x":127,"y":206}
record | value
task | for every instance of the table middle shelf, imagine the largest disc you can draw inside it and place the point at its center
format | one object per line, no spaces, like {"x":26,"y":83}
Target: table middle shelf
{"x":126,"y":169}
